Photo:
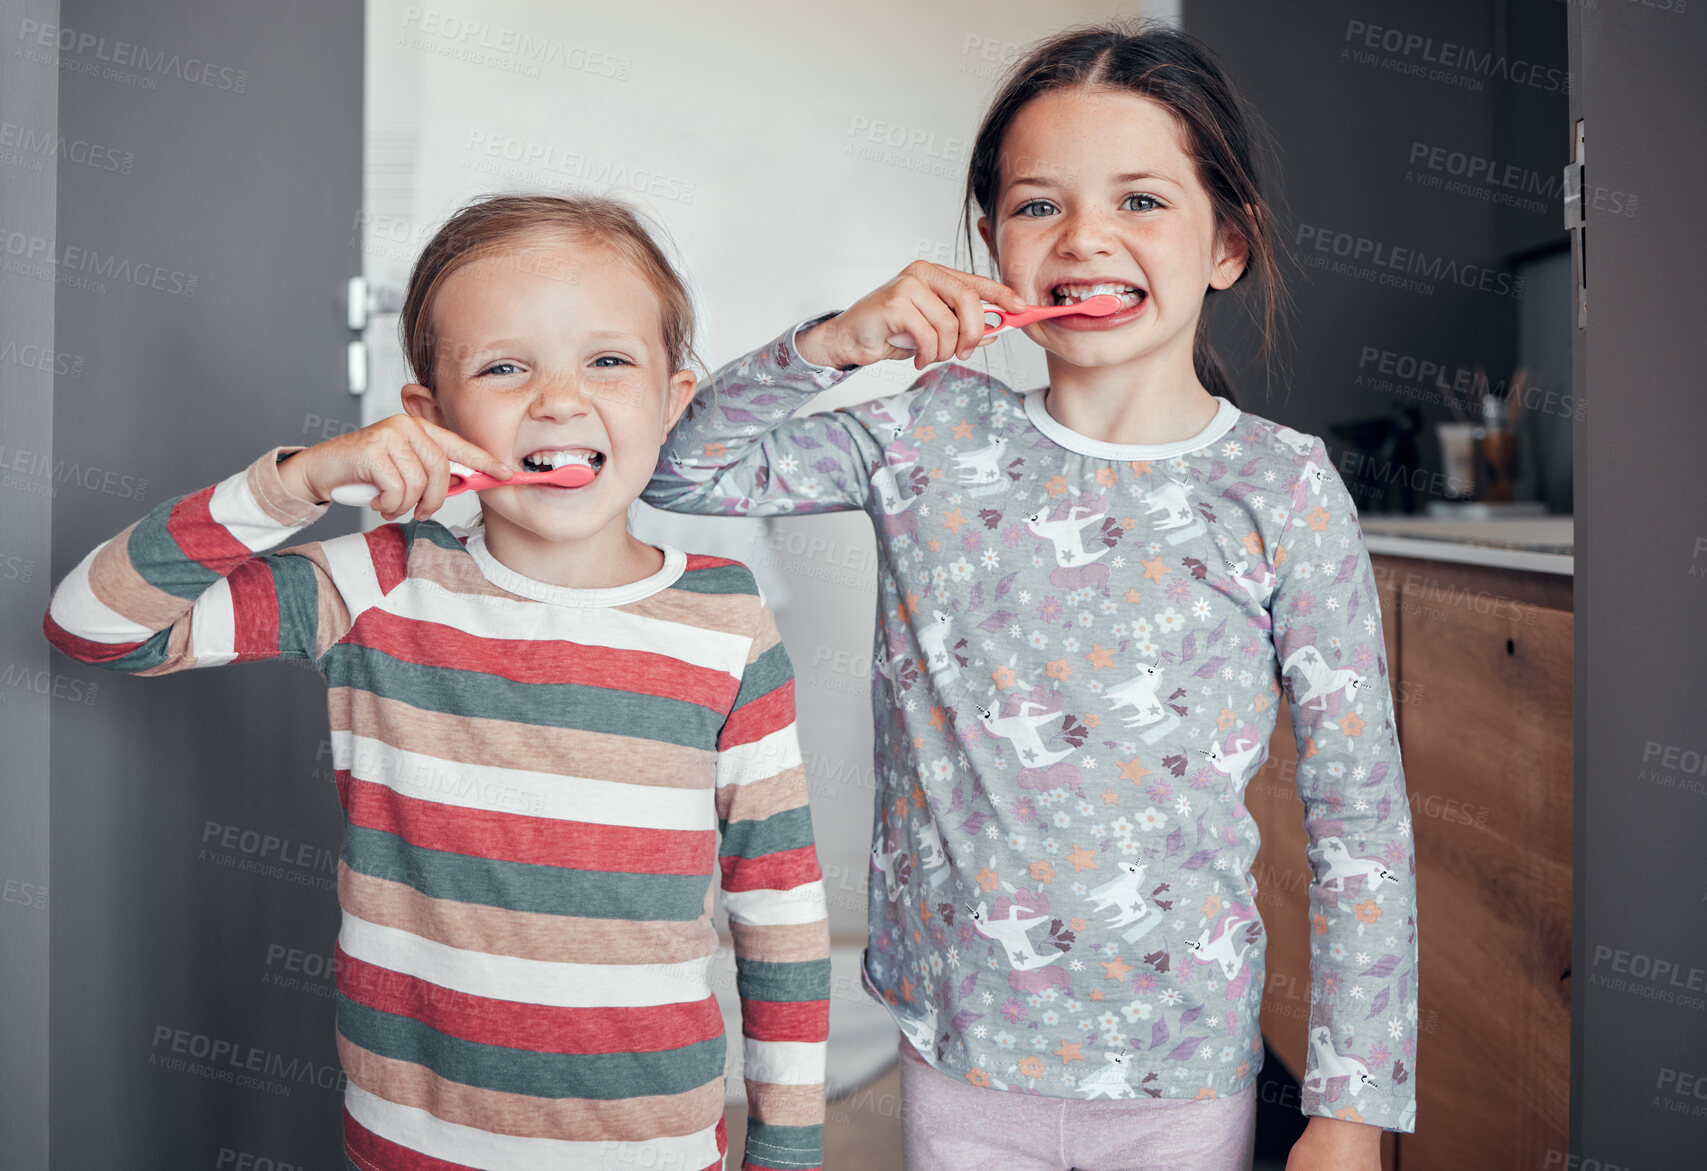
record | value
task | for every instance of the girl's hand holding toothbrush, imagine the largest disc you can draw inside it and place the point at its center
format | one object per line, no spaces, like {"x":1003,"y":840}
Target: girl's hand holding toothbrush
{"x":406,"y":460}
{"x":941,"y":310}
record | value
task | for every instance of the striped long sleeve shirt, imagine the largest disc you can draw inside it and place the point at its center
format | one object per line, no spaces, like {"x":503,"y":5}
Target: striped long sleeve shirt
{"x":538,"y":784}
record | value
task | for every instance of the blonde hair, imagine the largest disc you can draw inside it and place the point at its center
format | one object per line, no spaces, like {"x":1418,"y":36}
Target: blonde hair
{"x":487,"y":225}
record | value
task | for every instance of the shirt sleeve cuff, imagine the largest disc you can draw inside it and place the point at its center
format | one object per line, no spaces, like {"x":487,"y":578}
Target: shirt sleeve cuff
{"x":1397,"y":1115}
{"x":280,"y":502}
{"x":783,"y":1148}
{"x":816,"y":370}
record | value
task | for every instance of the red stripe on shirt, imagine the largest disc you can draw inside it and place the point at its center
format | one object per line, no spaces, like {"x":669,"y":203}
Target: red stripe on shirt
{"x":82,"y":649}
{"x":255,"y":612}
{"x":203,"y":539}
{"x":537,"y":1028}
{"x":758,"y":718}
{"x":526,"y":660}
{"x":385,"y":545}
{"x":707,"y":561}
{"x":770,"y":1020}
{"x":722,"y":1145}
{"x":783,"y":870}
{"x":516,"y":837}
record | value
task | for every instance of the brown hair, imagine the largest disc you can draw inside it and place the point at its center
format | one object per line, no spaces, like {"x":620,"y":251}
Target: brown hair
{"x":1179,"y":72}
{"x":488,"y":225}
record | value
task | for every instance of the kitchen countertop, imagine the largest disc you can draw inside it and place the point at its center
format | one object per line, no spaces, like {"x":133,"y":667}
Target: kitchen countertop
{"x":1541,"y":544}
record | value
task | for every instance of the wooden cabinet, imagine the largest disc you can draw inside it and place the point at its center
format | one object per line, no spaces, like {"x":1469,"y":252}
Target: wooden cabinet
{"x":1479,"y":663}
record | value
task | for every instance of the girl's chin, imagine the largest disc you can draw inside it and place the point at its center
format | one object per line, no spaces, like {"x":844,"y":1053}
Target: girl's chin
{"x":1094,"y":350}
{"x":557,"y":523}
{"x":552,"y":498}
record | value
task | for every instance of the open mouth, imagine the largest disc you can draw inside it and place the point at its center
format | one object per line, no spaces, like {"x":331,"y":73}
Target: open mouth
{"x":552,"y":458}
{"x":1073,"y":292}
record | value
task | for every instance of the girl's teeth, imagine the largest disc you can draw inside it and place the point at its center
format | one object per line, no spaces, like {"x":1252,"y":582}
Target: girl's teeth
{"x":545,"y":461}
{"x":1075,"y":295}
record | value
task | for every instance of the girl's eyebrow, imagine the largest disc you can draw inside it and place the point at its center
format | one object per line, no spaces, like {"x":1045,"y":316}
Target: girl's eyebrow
{"x":485,"y":351}
{"x":1128,"y":177}
{"x":1143,"y":176}
{"x":471,"y":351}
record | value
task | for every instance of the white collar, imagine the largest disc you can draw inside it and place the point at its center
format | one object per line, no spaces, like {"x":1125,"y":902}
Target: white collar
{"x":1226,"y":414}
{"x":501,"y":575}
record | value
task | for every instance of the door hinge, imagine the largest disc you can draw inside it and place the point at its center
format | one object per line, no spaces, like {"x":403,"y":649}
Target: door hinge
{"x":355,"y":362}
{"x":1576,"y":223}
{"x":362,"y":303}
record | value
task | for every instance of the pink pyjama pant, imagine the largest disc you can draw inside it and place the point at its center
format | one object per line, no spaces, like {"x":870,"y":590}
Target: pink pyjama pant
{"x":950,"y":1125}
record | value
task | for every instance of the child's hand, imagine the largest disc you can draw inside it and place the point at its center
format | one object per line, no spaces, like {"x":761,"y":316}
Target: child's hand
{"x":1335,"y":1144}
{"x":939,"y":308}
{"x":406,"y":458}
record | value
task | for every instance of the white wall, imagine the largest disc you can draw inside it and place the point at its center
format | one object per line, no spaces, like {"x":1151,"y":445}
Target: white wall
{"x":799,"y":156}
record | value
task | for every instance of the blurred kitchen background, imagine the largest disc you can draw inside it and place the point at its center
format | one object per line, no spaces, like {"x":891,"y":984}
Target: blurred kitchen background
{"x":1424,"y":206}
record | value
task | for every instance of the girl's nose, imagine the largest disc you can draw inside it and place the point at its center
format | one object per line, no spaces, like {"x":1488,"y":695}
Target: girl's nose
{"x":1086,"y":233}
{"x":559,"y":398}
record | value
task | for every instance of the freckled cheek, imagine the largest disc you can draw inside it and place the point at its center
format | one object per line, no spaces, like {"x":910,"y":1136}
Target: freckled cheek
{"x":623,"y":400}
{"x":1021,"y":249}
{"x":633,"y":428}
{"x":493,"y":419}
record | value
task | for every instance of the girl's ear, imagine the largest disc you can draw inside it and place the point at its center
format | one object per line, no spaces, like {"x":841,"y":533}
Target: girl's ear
{"x":1232,"y":253}
{"x":682,"y":385}
{"x":419,"y":402}
{"x":989,"y":241}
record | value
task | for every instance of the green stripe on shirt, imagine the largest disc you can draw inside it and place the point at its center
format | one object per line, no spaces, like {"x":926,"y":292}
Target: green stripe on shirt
{"x":525,"y":886}
{"x":783,"y":982}
{"x":718,"y":579}
{"x":297,"y":585}
{"x":552,"y":705}
{"x":156,"y":556}
{"x":784,"y":1147}
{"x":786,"y":829}
{"x":604,"y":1077}
{"x":764,"y":675}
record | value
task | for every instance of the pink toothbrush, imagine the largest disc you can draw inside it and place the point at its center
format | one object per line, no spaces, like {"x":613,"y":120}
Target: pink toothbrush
{"x":1100,"y":305}
{"x":466,"y":479}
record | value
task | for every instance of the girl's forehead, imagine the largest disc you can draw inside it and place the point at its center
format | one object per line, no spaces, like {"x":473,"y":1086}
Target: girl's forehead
{"x":1085,"y":133}
{"x":535,"y":252}
{"x":536,"y":285}
{"x":538,"y":266}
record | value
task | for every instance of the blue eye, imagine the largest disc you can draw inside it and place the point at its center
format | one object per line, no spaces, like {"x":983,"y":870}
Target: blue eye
{"x":1139,"y":195}
{"x":502,"y":368}
{"x":1026,"y":209}
{"x":612,"y":358}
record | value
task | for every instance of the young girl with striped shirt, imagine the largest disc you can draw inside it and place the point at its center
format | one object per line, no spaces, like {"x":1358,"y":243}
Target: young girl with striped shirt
{"x":548,"y":734}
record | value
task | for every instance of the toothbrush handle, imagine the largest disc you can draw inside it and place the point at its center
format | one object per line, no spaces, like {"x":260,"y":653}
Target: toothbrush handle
{"x":357,"y":495}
